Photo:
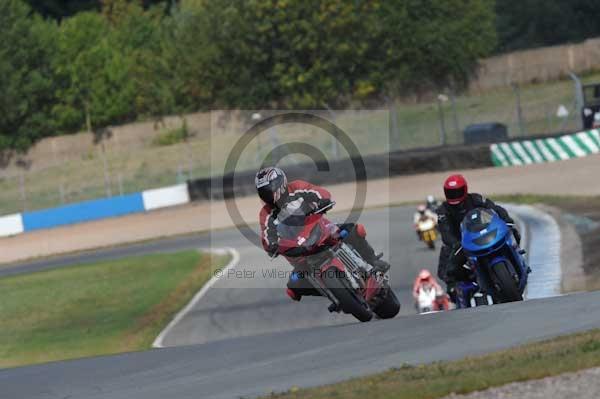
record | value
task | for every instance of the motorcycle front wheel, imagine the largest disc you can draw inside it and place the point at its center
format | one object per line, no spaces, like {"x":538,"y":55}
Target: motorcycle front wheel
{"x":507,"y":287}
{"x":350,"y":301}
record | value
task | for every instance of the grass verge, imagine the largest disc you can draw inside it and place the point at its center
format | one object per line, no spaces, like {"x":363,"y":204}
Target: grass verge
{"x":97,"y":309}
{"x":533,"y":361}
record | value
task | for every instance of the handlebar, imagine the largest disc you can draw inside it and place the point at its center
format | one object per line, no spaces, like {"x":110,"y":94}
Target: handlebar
{"x":326,"y":207}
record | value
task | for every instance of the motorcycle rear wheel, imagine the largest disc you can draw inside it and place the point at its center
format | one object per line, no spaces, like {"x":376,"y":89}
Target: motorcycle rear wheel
{"x":350,"y":301}
{"x":509,"y":290}
{"x":481,"y":301}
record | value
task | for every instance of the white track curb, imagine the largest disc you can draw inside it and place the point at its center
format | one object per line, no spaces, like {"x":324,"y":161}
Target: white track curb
{"x":544,"y":243}
{"x":235,"y":258}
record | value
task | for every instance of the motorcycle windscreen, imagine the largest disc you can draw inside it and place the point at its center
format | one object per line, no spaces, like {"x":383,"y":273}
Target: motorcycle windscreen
{"x":480,"y":231}
{"x":477,"y":220}
{"x":297,"y":233}
{"x":291,"y":227}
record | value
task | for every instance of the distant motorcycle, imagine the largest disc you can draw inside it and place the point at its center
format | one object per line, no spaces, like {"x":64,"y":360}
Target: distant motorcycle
{"x":430,"y":300}
{"x":427,"y":232}
{"x":499,"y":268}
{"x":315,"y":248}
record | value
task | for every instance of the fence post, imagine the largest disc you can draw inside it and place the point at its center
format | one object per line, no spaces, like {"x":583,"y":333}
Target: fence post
{"x":120,"y":177}
{"x":22,"y":189}
{"x":455,"y":114}
{"x":393,"y":125}
{"x":579,"y":99}
{"x":335,"y":151}
{"x":517,"y":91}
{"x":61,"y":192}
{"x":256,"y":117}
{"x":440,"y":99}
{"x":105,"y":171}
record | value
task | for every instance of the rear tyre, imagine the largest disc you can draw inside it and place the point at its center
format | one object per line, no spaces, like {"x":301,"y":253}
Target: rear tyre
{"x":350,"y":301}
{"x":481,"y":300}
{"x":389,"y":307}
{"x":508,"y":290}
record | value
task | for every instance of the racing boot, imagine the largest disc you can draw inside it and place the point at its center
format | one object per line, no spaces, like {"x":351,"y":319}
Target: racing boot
{"x":380,"y":266}
{"x":451,"y":290}
{"x":298,"y":286}
{"x":294,"y":296}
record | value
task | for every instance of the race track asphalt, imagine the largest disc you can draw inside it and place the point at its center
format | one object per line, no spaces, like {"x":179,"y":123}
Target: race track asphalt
{"x":251,"y":366}
{"x":246,"y":338}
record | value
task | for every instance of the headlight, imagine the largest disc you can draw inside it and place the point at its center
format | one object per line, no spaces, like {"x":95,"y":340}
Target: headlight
{"x":486,"y":238}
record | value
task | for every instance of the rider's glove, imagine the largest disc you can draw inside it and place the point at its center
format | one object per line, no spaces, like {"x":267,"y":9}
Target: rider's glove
{"x":324,"y":202}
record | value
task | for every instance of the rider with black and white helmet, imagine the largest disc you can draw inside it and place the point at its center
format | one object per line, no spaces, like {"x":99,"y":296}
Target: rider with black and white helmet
{"x":431,"y":203}
{"x":275,"y":191}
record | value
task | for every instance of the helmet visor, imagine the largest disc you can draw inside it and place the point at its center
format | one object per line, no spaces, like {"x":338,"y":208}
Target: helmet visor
{"x":271,"y":192}
{"x":266,"y":195}
{"x":455,"y":195}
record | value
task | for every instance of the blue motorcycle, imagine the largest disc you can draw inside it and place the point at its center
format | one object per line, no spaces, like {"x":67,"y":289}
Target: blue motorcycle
{"x":498,"y":267}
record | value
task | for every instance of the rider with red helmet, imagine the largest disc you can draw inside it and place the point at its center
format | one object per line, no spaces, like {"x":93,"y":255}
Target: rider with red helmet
{"x":425,"y":277}
{"x":450,"y":215}
{"x":275,"y":191}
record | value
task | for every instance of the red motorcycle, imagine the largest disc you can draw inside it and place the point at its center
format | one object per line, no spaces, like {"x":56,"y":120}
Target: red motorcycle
{"x":315,"y":248}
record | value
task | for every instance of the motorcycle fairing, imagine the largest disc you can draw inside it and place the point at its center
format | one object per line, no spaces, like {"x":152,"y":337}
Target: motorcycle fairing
{"x":498,"y":247}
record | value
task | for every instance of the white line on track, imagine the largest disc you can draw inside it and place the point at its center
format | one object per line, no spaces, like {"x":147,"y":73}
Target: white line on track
{"x":235,"y":258}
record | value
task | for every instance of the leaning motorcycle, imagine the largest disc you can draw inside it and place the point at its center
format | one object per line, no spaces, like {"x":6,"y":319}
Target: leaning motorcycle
{"x":315,"y":248}
{"x":493,"y":256}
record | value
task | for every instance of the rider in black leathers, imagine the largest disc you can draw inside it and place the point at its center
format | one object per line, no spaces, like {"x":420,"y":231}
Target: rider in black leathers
{"x":450,"y":215}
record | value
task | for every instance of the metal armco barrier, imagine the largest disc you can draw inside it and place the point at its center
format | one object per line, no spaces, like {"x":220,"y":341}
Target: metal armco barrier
{"x":395,"y":163}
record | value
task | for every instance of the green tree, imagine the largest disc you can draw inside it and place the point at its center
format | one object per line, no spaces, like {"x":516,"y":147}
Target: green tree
{"x":283,"y":53}
{"x":25,"y":75}
{"x":433,"y":44}
{"x":140,"y":36}
{"x":132,"y":61}
{"x":95,"y":89}
{"x":112,"y":66}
